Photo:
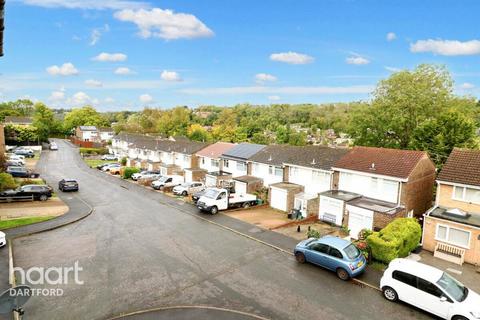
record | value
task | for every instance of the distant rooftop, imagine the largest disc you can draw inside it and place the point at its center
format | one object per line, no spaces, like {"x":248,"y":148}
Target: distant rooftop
{"x":242,"y":151}
{"x":18,"y":120}
{"x":87,"y":128}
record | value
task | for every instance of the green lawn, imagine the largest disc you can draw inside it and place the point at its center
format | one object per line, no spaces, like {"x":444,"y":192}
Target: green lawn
{"x":5,"y":224}
{"x":92,"y":163}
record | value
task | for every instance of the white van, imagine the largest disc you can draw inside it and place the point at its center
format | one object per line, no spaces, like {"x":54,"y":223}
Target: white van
{"x":167,"y":181}
{"x":430,"y":289}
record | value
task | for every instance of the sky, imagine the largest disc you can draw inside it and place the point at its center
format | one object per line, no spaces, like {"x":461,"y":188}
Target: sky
{"x":126,"y":54}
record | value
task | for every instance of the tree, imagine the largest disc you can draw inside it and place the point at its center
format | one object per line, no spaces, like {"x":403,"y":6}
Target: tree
{"x":260,"y":138}
{"x":85,"y":116}
{"x":297,"y":139}
{"x":440,"y":135}
{"x":44,"y":121}
{"x":198,"y":133}
{"x":400,"y":104}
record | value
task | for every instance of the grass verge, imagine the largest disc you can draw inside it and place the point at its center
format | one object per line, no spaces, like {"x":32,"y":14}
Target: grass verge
{"x":12,"y":223}
{"x":92,"y":163}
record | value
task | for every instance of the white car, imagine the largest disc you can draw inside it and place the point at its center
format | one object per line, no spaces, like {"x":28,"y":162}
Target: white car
{"x":53,"y":146}
{"x":146,"y":175}
{"x":167,"y":181}
{"x":3,"y":241}
{"x":109,"y":157}
{"x":188,"y":188}
{"x":430,"y":289}
{"x":13,"y":156}
{"x":111,"y":165}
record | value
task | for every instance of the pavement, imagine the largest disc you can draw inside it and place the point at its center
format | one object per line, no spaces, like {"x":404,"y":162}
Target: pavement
{"x":53,"y":207}
{"x":143,"y":250}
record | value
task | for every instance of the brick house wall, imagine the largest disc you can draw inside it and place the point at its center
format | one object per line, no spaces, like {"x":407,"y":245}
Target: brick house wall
{"x":286,"y":171}
{"x":2,"y":139}
{"x":312,"y":207}
{"x":417,"y":193}
{"x":335,"y":180}
{"x":445,"y":193}
{"x":194,"y":161}
{"x":472,"y":255}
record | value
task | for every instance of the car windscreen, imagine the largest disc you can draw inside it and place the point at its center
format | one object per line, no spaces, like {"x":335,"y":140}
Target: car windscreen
{"x":212,"y":194}
{"x":454,"y":288}
{"x":352,"y":251}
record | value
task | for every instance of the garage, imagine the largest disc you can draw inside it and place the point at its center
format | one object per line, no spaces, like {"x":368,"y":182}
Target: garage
{"x":331,"y":210}
{"x":281,"y":195}
{"x":279,"y":199}
{"x":358,"y":219}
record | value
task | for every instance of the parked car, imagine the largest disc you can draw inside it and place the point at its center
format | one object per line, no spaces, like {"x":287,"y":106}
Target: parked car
{"x":68,"y":185}
{"x":146,"y":174}
{"x":333,"y":253}
{"x":109,"y":157}
{"x":21,"y":172}
{"x":12,"y":156}
{"x":167,"y":181}
{"x":188,"y":188}
{"x":430,"y":289}
{"x":14,"y":163}
{"x":27,"y":153}
{"x":111,"y":165}
{"x":101,"y":165}
{"x":35,"y":191}
{"x":115,"y":170}
{"x":3,"y":240}
{"x":197,"y":195}
{"x":53,"y":146}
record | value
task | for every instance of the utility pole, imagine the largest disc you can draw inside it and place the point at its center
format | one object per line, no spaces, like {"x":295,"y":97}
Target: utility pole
{"x":2,"y":24}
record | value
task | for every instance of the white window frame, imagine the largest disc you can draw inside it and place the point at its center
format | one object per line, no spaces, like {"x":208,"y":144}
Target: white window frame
{"x":241,"y":166}
{"x":226,"y":164}
{"x":463,"y":194}
{"x":448,"y":233}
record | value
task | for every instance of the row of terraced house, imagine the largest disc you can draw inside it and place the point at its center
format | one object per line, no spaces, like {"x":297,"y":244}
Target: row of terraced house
{"x":360,"y":188}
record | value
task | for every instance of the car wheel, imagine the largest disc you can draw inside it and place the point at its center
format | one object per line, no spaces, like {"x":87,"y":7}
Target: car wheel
{"x":342,"y":274}
{"x":459,"y":318}
{"x":390,"y":294}
{"x":43,"y":197}
{"x":246,"y":205}
{"x":184,"y":193}
{"x":300,"y":257}
{"x":214,"y":210}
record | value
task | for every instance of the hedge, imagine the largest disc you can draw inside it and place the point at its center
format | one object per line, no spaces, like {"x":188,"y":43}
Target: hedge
{"x":7,"y":181}
{"x":93,"y":151}
{"x":127,"y":172}
{"x":396,"y":240}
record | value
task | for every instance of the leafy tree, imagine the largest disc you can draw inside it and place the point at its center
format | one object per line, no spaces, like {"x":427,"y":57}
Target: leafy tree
{"x":297,"y":139}
{"x":85,"y":116}
{"x":440,"y":135}
{"x":283,"y":134}
{"x":198,"y":133}
{"x":7,"y":182}
{"x":44,"y":121}
{"x":402,"y":102}
{"x":260,"y":138}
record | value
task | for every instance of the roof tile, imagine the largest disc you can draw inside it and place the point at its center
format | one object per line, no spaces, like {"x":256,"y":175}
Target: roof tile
{"x":462,"y":166}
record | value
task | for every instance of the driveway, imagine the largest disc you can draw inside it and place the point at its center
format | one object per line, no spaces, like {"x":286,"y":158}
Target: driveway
{"x":141,"y":250}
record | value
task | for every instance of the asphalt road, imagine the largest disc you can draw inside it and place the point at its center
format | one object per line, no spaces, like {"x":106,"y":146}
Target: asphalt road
{"x":137,"y":252}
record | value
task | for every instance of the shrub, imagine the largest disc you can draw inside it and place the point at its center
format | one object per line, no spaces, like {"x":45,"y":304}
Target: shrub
{"x":123,"y":161}
{"x":396,"y":240}
{"x":93,"y":151}
{"x":7,"y":182}
{"x":312,"y":233}
{"x":23,"y":182}
{"x":128,"y":172}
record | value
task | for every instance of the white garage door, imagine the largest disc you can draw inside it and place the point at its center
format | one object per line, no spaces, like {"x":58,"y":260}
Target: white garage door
{"x":331,"y":210}
{"x":240,"y":187}
{"x":210,"y":181}
{"x":278,"y":199}
{"x":188,"y":176}
{"x":358,"y":219}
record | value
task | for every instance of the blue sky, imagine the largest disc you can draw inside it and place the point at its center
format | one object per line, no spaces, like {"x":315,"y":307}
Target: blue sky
{"x":121,"y":54}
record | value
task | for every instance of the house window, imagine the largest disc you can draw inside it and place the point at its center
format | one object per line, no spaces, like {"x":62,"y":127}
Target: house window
{"x":293,"y":172}
{"x":271,"y":170}
{"x":466,"y":194}
{"x":203,"y":160}
{"x":453,"y":236}
{"x":225,"y":163}
{"x":214,"y":163}
{"x":278,"y":172}
{"x":241,"y":166}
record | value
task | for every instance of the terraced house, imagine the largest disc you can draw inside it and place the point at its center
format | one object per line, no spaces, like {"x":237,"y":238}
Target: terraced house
{"x":451,"y":227}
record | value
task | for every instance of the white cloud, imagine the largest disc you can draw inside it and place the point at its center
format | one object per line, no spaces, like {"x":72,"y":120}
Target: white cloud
{"x":170,"y":76}
{"x":80,"y":98}
{"x":165,"y":24}
{"x":467,"y":86}
{"x":292,"y":57}
{"x":97,"y":34}
{"x":93,"y":83}
{"x":66,"y":69}
{"x":392,"y":69}
{"x":264,"y":77}
{"x":109,"y":100}
{"x":123,"y":71}
{"x":57,"y":96}
{"x":274,"y":98}
{"x":110,"y":57}
{"x":145,"y":98}
{"x":447,"y":47}
{"x":357,"y":60}
{"x":391,"y":36}
{"x":88,"y":4}
{"x":278,"y":90}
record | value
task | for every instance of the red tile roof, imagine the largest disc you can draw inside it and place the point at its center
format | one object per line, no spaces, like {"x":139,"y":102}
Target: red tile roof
{"x":381,"y":161}
{"x":215,"y":150}
{"x":462,"y":166}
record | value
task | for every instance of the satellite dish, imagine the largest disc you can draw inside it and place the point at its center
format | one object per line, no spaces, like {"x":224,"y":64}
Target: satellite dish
{"x":14,"y":298}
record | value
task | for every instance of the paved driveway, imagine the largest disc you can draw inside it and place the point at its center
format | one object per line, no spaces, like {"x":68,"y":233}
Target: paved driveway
{"x":138,"y":252}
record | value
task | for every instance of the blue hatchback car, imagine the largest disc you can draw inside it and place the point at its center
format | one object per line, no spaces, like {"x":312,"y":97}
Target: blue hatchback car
{"x":332,"y":253}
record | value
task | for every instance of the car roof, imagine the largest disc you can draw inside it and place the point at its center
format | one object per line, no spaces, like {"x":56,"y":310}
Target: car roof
{"x":34,"y":185}
{"x":415,"y":268}
{"x":69,"y":180}
{"x":336,"y":242}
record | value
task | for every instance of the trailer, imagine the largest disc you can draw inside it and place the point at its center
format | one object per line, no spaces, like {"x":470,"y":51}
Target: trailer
{"x":218,"y":199}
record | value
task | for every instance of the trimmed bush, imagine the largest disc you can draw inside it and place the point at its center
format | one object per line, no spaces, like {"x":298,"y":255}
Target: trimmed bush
{"x":7,"y":182}
{"x":396,"y":240}
{"x":123,"y":161}
{"x":93,"y":151}
{"x":23,"y":182}
{"x":128,"y":172}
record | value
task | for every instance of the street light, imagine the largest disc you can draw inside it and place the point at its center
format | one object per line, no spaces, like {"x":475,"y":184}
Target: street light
{"x":2,"y":25}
